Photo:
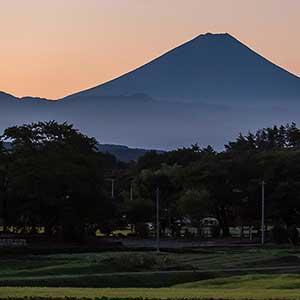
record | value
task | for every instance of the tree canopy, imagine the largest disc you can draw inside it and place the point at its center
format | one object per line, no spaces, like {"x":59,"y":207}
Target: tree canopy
{"x":53,"y":176}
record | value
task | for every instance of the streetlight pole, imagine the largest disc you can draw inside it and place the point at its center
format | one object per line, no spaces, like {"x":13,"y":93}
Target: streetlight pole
{"x":157,"y":220}
{"x":131,"y":192}
{"x":112,"y":188}
{"x":263,"y":212}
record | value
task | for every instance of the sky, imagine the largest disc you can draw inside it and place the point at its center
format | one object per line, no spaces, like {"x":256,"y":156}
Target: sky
{"x":52,"y":48}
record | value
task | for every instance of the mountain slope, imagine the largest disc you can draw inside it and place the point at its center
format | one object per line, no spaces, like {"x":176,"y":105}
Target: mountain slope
{"x":206,"y":91}
{"x":124,"y":153}
{"x":209,"y":68}
{"x":6,"y":99}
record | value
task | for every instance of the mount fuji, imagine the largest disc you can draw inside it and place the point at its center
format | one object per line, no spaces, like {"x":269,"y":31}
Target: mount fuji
{"x":206,"y":90}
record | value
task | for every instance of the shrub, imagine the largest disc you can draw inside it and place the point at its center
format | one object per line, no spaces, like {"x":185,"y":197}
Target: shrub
{"x":293,"y":234}
{"x":142,"y":230}
{"x":280,"y":234}
{"x":137,"y":262}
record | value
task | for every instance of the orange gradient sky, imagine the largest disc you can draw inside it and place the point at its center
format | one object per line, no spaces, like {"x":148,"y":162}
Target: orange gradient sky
{"x":51,"y":48}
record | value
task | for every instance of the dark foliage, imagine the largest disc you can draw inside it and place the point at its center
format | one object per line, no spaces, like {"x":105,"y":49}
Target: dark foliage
{"x":53,"y":177}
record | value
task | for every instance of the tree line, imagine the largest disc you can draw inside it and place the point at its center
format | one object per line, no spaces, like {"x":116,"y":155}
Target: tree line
{"x":52,"y":176}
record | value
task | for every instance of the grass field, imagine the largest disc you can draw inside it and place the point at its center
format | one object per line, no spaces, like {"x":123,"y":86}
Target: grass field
{"x":89,"y":269}
{"x":108,"y":262}
{"x":238,"y":287}
{"x":160,"y":293}
{"x":126,"y":274}
{"x":248,"y":282}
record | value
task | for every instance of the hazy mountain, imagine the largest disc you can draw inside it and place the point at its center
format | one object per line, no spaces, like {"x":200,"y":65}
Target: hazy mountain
{"x":6,"y":97}
{"x":209,"y":68}
{"x":205,"y":91}
{"x":123,"y":153}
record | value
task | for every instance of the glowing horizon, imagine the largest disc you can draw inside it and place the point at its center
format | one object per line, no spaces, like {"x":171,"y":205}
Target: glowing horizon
{"x":55,"y":48}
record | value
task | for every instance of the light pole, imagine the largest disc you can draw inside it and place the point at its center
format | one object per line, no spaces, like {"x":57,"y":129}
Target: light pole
{"x":157,"y":220}
{"x":131,"y":191}
{"x":112,"y":188}
{"x":112,"y":180}
{"x":263,"y":212}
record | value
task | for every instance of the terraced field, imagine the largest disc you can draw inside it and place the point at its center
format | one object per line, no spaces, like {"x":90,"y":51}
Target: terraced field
{"x":260,"y":274}
{"x":160,"y":293}
{"x":26,"y":266}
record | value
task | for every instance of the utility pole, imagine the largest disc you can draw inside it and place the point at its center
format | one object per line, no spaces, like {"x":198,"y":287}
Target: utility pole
{"x":157,"y":220}
{"x":263,"y":212}
{"x":112,"y":193}
{"x":112,"y":188}
{"x":131,"y":192}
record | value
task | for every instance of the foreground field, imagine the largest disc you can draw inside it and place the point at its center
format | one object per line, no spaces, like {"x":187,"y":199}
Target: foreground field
{"x":142,"y":269}
{"x":256,"y":287}
{"x":161,"y":293}
{"x":248,"y":282}
{"x":198,"y":275}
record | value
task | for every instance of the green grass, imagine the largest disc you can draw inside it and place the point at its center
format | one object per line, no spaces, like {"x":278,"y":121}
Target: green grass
{"x":86,"y":270}
{"x":248,"y":282}
{"x":101,"y":281}
{"x":256,"y":287}
{"x":90,"y":263}
{"x":86,"y":275}
{"x":163,"y":293}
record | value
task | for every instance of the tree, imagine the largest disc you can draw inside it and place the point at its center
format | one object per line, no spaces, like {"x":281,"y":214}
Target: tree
{"x":267,"y":139}
{"x":57,"y":177}
{"x":4,"y":183}
{"x":195,"y":204}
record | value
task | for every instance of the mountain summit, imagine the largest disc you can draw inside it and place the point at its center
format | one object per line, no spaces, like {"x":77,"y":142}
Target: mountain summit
{"x":206,"y":90}
{"x":209,"y":68}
